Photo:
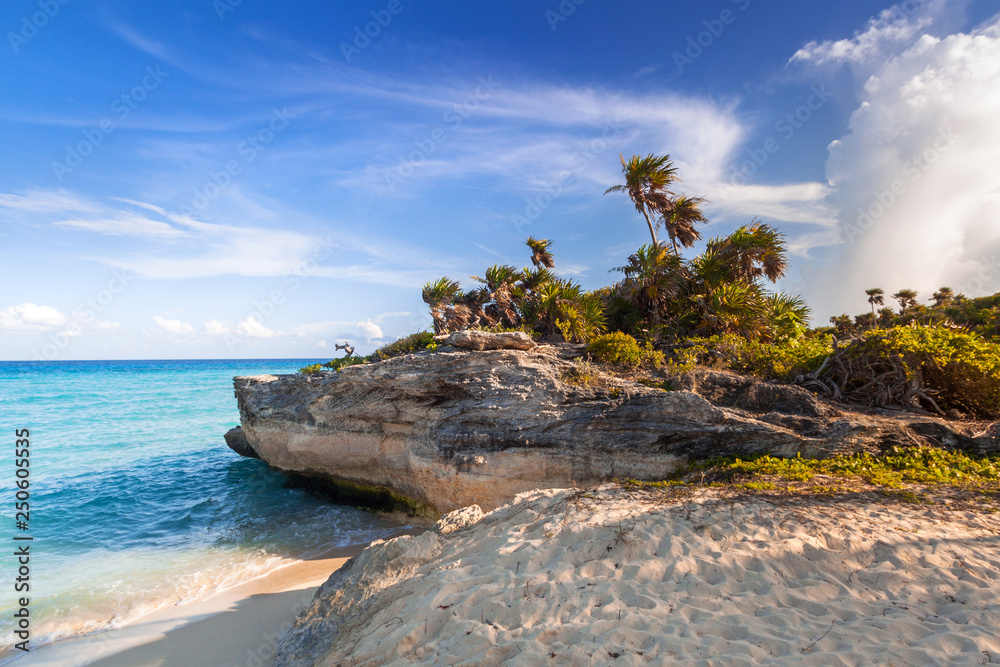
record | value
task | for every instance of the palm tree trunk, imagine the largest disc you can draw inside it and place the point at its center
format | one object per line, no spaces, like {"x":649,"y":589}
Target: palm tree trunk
{"x":652,"y":231}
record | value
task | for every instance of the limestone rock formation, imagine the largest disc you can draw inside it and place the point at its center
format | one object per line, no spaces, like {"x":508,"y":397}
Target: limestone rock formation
{"x":449,"y":429}
{"x":484,"y":340}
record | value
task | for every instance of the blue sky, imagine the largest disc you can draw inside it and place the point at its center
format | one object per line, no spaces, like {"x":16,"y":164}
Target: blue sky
{"x":255,"y":179}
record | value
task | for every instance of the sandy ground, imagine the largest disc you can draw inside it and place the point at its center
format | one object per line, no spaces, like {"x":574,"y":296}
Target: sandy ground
{"x":236,"y":627}
{"x":626,"y":578}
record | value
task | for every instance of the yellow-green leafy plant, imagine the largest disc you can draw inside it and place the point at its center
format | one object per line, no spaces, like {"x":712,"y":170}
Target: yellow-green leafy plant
{"x":928,"y":368}
{"x":620,"y":349}
{"x":779,"y":361}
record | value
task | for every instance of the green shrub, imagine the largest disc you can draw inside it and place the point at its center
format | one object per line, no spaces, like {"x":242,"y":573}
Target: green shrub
{"x":957,"y":369}
{"x":423,"y":340}
{"x":582,"y":374}
{"x":779,"y":361}
{"x":893,"y":469}
{"x":684,"y":361}
{"x":344,"y":362}
{"x":620,"y":349}
{"x":406,"y":345}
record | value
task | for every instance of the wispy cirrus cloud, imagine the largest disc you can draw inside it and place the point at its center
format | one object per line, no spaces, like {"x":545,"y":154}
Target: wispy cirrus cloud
{"x":167,"y":245}
{"x":512,"y":133}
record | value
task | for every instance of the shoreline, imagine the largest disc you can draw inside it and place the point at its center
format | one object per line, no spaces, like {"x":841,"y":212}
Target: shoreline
{"x":236,"y":626}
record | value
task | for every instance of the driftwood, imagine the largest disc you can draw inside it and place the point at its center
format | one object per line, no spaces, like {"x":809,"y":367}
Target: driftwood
{"x":872,"y":378}
{"x":346,"y":347}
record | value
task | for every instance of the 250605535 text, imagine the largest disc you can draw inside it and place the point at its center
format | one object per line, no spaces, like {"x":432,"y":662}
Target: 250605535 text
{"x":22,"y":540}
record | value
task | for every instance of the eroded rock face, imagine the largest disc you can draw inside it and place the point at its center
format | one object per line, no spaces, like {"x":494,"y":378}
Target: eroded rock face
{"x":457,"y":428}
{"x":237,"y":441}
{"x":485,"y":340}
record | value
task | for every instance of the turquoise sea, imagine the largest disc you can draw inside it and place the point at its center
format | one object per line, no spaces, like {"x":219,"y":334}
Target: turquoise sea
{"x":136,"y":502}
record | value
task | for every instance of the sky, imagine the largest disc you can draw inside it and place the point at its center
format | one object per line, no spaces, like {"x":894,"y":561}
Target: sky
{"x":254,"y":179}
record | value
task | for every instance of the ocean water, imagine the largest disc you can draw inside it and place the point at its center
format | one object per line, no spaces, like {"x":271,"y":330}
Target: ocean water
{"x":136,"y":502}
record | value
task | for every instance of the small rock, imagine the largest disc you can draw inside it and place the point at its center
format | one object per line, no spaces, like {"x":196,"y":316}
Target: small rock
{"x":485,"y":340}
{"x":452,"y":522}
{"x":237,"y":441}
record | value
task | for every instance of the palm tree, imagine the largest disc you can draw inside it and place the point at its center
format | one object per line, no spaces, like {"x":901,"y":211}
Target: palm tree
{"x":653,"y":278}
{"x":541,"y":256}
{"x":842,"y":323}
{"x":440,"y":295}
{"x":943,"y":297}
{"x":865,"y":322}
{"x":752,"y":252}
{"x":876,"y":297}
{"x":647,"y":183}
{"x":885,"y":317}
{"x":563,"y":306}
{"x":503,"y":294}
{"x":788,"y":315}
{"x":735,"y":307}
{"x":679,"y":217}
{"x":906,"y":298}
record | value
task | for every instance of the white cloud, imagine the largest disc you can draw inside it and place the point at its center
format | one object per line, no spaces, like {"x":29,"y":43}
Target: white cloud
{"x":170,"y":246}
{"x":370,"y":330}
{"x":123,"y":224}
{"x":252,"y":328}
{"x":47,"y":201}
{"x":514,"y":135}
{"x":196,"y":248}
{"x":216,"y":328}
{"x":891,"y":28}
{"x":249,"y":327}
{"x":174,"y":326}
{"x":916,"y":177}
{"x":31,"y":316}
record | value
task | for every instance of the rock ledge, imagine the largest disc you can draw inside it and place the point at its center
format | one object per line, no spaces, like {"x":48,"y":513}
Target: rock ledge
{"x":441,"y":431}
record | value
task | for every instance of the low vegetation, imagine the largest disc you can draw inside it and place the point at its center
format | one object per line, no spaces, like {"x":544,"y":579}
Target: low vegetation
{"x":907,"y":473}
{"x":928,"y":368}
{"x":620,"y":349}
{"x":416,"y":342}
{"x":774,"y":361}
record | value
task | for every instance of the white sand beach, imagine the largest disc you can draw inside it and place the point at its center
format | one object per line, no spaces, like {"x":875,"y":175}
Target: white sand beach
{"x":237,"y":627}
{"x":626,"y":578}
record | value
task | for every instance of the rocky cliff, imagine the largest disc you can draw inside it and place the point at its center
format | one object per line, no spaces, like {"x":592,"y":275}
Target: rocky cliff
{"x":444,"y":430}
